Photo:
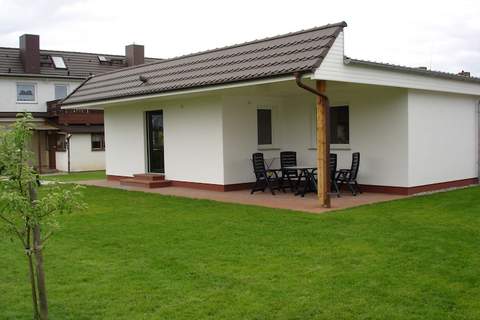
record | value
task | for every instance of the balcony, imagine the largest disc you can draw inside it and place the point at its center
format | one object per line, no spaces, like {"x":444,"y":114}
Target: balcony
{"x":73,"y":116}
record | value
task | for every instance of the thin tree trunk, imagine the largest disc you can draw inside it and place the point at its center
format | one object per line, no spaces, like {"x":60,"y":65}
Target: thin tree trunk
{"x":32,"y":282}
{"x":28,"y":250}
{"x":37,"y":246}
{"x":42,"y":289}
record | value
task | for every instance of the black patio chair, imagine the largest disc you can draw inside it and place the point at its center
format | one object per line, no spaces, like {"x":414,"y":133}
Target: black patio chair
{"x":289,"y":176}
{"x":333,"y":170}
{"x":349,"y":176}
{"x":265,"y":178}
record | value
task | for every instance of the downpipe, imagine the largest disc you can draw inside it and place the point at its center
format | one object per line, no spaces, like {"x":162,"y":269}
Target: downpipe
{"x":300,"y":84}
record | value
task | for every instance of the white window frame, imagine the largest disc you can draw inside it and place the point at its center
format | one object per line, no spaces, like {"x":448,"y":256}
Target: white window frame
{"x":313,"y":129}
{"x":35,"y":92}
{"x":65,"y":142}
{"x":102,"y":147}
{"x":275,"y":127}
{"x":60,"y":61}
{"x":60,"y":84}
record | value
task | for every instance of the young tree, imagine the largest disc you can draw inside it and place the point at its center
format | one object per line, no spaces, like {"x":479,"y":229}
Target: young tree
{"x":25,"y":215}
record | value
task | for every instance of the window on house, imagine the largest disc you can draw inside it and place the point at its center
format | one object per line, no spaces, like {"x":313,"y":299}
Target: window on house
{"x":61,"y":91}
{"x":98,"y":142}
{"x":61,"y":142}
{"x":26,"y":92}
{"x":102,"y":59}
{"x":264,"y":126}
{"x":58,"y":62}
{"x":339,"y":125}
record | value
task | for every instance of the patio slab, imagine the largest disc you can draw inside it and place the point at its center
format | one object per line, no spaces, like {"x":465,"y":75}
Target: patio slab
{"x":280,"y":200}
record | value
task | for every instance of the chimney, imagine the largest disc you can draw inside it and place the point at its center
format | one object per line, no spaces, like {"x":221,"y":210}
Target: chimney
{"x":464,"y":74}
{"x":135,"y":54}
{"x":30,"y":52}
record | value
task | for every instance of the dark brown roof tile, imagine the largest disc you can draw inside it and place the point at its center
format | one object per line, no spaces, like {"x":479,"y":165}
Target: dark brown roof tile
{"x":271,"y":57}
{"x":79,"y":64}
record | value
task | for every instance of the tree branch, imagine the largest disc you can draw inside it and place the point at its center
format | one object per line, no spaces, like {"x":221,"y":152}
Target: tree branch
{"x":6,"y":220}
{"x":14,"y":227}
{"x":46,"y":238}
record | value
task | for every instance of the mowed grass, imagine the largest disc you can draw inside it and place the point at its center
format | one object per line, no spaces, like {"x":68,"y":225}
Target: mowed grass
{"x":134,"y":255}
{"x":75,"y":176}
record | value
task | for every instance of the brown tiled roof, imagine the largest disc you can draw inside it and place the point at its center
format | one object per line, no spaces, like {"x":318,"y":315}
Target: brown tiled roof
{"x":301,"y":51}
{"x":80,"y":65}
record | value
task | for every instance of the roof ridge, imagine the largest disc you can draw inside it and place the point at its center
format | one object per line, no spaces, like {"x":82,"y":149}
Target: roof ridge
{"x":342,"y":24}
{"x":284,"y":35}
{"x":80,"y":52}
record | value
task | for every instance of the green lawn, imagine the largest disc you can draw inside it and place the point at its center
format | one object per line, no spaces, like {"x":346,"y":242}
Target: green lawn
{"x":134,"y":255}
{"x":75,"y":176}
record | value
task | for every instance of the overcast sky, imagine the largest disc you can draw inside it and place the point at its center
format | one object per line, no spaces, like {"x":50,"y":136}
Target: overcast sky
{"x":442,"y":35}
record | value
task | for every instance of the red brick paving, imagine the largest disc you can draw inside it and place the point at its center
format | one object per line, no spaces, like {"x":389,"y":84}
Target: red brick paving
{"x":280,"y":200}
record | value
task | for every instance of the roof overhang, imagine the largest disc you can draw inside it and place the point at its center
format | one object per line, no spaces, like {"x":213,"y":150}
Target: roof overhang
{"x":42,"y":126}
{"x":252,"y":62}
{"x":81,"y":129}
{"x":380,"y":74}
{"x":36,"y":115}
{"x":40,"y":75}
{"x":109,"y":102}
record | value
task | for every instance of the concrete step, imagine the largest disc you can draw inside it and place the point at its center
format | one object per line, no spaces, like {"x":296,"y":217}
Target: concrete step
{"x":142,"y":183}
{"x":149,"y":176}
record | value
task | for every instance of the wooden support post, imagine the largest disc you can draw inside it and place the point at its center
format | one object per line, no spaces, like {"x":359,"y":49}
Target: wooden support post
{"x":323,"y":147}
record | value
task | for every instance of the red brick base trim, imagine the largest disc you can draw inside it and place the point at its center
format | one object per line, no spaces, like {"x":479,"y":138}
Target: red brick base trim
{"x":418,"y":189}
{"x":367,"y":188}
{"x":116,"y":178}
{"x":443,"y":185}
{"x":239,"y":186}
{"x":383,"y":189}
{"x":211,"y":186}
{"x":196,"y":185}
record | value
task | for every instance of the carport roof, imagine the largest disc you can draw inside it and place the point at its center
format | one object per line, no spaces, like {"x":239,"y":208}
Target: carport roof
{"x":301,"y":51}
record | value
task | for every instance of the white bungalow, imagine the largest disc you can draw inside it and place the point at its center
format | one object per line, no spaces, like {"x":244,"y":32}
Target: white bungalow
{"x":198,"y":118}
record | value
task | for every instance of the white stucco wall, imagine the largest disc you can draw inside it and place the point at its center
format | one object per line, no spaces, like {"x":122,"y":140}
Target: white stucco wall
{"x":240,"y":133}
{"x":406,"y":138}
{"x":82,"y":158}
{"x":378,"y":130}
{"x":124,"y":140}
{"x":61,"y":160}
{"x":192,"y":138}
{"x":45,"y":91}
{"x":443,"y":137}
